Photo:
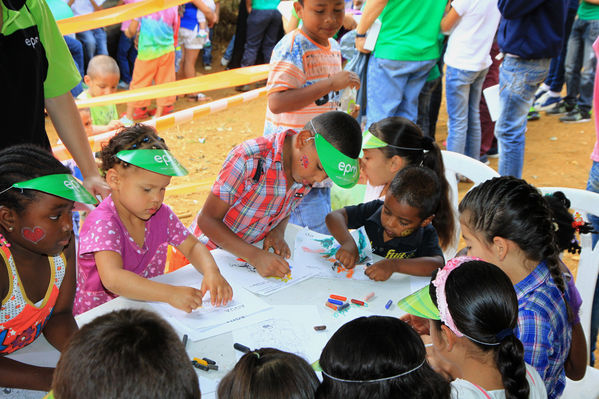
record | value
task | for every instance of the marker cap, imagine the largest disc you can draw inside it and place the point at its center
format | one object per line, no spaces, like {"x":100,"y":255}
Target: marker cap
{"x":420,"y":304}
{"x":342,"y":170}
{"x":158,"y":161}
{"x":62,"y":185}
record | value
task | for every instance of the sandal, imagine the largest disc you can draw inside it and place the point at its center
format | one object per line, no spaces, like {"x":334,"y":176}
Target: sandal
{"x":140,"y":113}
{"x":200,"y":97}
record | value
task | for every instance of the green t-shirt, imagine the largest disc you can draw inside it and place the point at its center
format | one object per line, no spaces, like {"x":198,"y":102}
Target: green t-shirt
{"x":102,"y":114}
{"x":409,"y":30}
{"x":62,"y":73}
{"x":265,"y":4}
{"x":588,"y":11}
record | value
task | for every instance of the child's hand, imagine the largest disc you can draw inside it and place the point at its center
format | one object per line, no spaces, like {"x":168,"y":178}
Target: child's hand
{"x":344,"y":79}
{"x":185,"y":298}
{"x":348,"y":254}
{"x":115,"y":124}
{"x":381,"y":270}
{"x":270,"y":265}
{"x":419,"y":324}
{"x":276,"y":241}
{"x":220,"y":290}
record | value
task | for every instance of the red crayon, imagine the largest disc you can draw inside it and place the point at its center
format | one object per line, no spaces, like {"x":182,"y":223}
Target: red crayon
{"x":339,"y":297}
{"x":357,"y":302}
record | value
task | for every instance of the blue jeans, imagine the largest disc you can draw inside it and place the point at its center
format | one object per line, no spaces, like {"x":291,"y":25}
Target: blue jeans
{"x":593,"y":185}
{"x":518,"y":81}
{"x":393,"y":88}
{"x":207,"y":57}
{"x":581,"y":63}
{"x":315,"y":206}
{"x":229,"y":51}
{"x":555,"y":79}
{"x":76,"y":50}
{"x":94,"y":43}
{"x":263,"y":28}
{"x":463,"y":90}
{"x":125,"y":57}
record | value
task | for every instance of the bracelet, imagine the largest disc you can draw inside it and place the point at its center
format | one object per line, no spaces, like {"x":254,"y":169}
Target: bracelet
{"x":360,"y":34}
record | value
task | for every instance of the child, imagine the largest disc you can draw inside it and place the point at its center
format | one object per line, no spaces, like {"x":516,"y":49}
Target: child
{"x":305,"y":76}
{"x":507,"y":222}
{"x":86,"y":120}
{"x":94,"y":40}
{"x":378,"y":357}
{"x":269,"y":373}
{"x":128,"y":353}
{"x":155,"y":60}
{"x":394,"y":143}
{"x":126,"y":51}
{"x":473,"y":25}
{"x":102,"y":78}
{"x":472,"y":310}
{"x":399,"y":228}
{"x":264,"y":179}
{"x":37,"y":253}
{"x":123,"y":241}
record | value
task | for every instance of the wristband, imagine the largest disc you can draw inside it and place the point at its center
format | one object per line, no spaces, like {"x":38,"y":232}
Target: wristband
{"x":360,"y":34}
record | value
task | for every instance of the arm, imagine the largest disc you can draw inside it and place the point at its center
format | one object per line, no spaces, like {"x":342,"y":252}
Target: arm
{"x":372,"y":10}
{"x":423,"y":266}
{"x":449,"y":20}
{"x":132,"y":29}
{"x":216,"y":12}
{"x":95,"y":6}
{"x":199,"y":256}
{"x":66,"y":120}
{"x":123,"y":282}
{"x":513,"y":9}
{"x":291,"y":23}
{"x":348,"y":253}
{"x":210,"y":221}
{"x":576,"y":363}
{"x":275,"y":239}
{"x":248,"y":6}
{"x":208,"y":13}
{"x":112,"y":125}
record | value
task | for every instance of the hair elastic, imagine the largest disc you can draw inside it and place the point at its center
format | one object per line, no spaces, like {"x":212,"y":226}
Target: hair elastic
{"x":503,"y":334}
{"x":257,"y":354}
{"x":375,"y":380}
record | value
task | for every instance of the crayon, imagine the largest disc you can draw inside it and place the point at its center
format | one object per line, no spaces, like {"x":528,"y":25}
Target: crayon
{"x":338,"y":297}
{"x":241,"y":348}
{"x":320,"y":328}
{"x":185,"y":341}
{"x":388,"y":305}
{"x":330,"y":305}
{"x":335,"y":302}
{"x":357,"y":302}
{"x":200,"y":361}
{"x":368,"y":297}
{"x":208,"y":360}
{"x":343,"y":307}
{"x":212,"y":367}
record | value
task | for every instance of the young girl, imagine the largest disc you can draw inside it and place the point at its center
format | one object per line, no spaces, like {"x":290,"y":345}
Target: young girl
{"x":507,"y":222}
{"x":378,"y":357}
{"x":394,"y":143}
{"x":37,"y":255}
{"x":269,"y":373}
{"x":472,"y":327}
{"x":123,"y":241}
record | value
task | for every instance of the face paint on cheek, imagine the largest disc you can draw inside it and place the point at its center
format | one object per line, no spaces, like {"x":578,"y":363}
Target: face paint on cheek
{"x":35,"y":234}
{"x":305,"y":161}
{"x":406,"y":233}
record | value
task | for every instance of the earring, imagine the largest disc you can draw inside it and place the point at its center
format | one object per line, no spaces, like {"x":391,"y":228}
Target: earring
{"x":11,"y":228}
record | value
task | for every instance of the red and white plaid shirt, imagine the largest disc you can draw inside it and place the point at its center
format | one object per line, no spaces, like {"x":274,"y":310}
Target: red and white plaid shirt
{"x":253,"y":182}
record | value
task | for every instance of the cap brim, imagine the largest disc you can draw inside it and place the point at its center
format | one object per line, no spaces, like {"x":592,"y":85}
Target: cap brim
{"x":369,"y":141}
{"x":420,"y":304}
{"x":154,"y":160}
{"x":341,"y":169}
{"x":61,"y":185}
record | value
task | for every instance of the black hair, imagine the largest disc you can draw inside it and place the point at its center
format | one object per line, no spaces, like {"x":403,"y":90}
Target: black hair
{"x":340,"y":130}
{"x":419,"y":187}
{"x":418,"y":149}
{"x":374,"y":347}
{"x":138,"y":136}
{"x":483,"y":303}
{"x":20,"y":163}
{"x":513,"y":209}
{"x":129,"y":353}
{"x":565,"y":233}
{"x":269,"y":373}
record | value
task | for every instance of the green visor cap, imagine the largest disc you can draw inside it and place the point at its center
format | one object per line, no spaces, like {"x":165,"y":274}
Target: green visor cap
{"x":343,"y":170}
{"x":369,"y":141}
{"x":61,"y":185}
{"x":420,"y":304}
{"x":158,"y":161}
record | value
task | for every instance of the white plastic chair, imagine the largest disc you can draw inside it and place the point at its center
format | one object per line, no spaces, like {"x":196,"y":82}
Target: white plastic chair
{"x":585,"y":202}
{"x":474,"y":170}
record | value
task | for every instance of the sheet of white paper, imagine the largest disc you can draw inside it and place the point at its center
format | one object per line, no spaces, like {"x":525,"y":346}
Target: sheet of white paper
{"x":492,"y":98}
{"x":417,"y":282}
{"x":317,"y":251}
{"x":239,"y":272}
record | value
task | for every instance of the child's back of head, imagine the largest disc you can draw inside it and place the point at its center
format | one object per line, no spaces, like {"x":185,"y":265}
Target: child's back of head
{"x":269,"y":373}
{"x":378,"y":357}
{"x":127,"y":353}
{"x":567,"y":225}
{"x":418,"y":187}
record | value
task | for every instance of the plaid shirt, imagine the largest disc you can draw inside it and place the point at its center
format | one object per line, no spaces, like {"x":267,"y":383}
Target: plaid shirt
{"x":543,"y":328}
{"x":258,"y":200}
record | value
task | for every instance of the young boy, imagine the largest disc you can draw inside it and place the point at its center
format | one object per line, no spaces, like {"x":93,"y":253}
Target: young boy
{"x":304,"y":79}
{"x":102,"y":78}
{"x":129,"y":353}
{"x":400,"y":228}
{"x":264,"y":179}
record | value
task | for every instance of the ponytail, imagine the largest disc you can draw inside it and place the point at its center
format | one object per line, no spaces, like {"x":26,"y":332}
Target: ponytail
{"x":509,"y":359}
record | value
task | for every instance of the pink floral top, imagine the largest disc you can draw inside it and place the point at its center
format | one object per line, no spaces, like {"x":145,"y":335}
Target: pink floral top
{"x":103,"y":230}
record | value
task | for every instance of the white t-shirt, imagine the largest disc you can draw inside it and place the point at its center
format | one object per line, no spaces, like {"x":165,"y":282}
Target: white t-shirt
{"x":82,"y":7}
{"x":472,"y":36}
{"x":462,"y":389}
{"x":373,"y":193}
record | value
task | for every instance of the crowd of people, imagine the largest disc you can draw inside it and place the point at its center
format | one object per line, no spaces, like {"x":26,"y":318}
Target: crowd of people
{"x":500,"y":321}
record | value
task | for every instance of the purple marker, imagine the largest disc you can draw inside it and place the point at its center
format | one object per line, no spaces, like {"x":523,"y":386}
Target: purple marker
{"x":388,"y":305}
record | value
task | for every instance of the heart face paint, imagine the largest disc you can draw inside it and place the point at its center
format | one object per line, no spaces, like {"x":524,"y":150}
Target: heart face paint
{"x":305,"y":161}
{"x":34,"y":235}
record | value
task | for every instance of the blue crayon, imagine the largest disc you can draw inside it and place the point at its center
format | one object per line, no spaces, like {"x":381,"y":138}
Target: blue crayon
{"x":343,"y":307}
{"x":388,"y":305}
{"x":335,"y":302}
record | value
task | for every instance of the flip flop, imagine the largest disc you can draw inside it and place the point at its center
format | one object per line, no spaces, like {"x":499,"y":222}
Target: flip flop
{"x":200,"y":97}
